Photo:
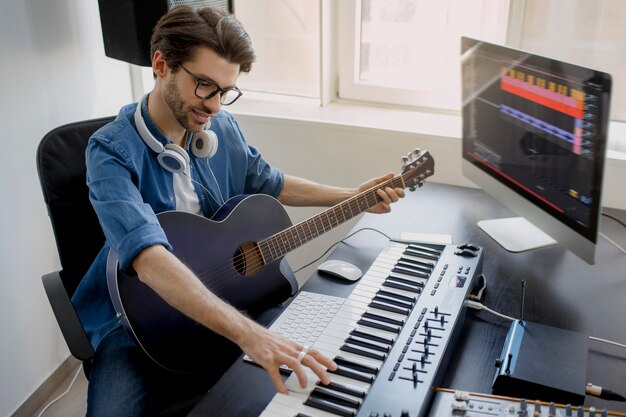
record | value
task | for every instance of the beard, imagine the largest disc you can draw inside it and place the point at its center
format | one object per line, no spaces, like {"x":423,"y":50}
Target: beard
{"x":181,"y":112}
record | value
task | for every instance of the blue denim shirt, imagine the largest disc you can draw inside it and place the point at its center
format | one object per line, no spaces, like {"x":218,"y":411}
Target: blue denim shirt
{"x":127,"y":186}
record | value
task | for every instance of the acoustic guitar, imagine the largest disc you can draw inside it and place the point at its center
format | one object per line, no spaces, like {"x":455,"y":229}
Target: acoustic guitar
{"x":238,"y":255}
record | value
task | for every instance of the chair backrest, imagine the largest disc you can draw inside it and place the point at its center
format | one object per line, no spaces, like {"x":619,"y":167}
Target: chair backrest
{"x":62,"y":174}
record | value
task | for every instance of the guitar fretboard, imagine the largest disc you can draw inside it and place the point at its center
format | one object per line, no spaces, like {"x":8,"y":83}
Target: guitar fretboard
{"x":276,"y":246}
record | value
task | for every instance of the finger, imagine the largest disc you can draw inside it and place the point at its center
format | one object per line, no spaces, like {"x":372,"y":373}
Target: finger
{"x":392,"y":194}
{"x":277,"y":380}
{"x":317,"y":369}
{"x":400,"y":192}
{"x":299,"y":370}
{"x":382,"y":194}
{"x":322,"y":359}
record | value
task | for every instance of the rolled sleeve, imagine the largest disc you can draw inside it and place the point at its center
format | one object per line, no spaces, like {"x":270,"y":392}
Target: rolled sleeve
{"x":129,"y":224}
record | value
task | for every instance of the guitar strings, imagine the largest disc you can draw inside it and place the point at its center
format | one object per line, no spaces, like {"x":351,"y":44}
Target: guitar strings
{"x":239,"y":261}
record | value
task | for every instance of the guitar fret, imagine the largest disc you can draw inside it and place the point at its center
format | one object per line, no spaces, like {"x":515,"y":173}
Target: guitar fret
{"x":272,"y":242}
{"x":327,"y":222}
{"x":321,"y":218}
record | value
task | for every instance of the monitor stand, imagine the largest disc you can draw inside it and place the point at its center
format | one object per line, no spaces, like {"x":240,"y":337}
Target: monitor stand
{"x":516,"y":234}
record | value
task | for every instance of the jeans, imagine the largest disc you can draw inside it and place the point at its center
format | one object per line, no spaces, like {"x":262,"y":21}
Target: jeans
{"x":125,"y":382}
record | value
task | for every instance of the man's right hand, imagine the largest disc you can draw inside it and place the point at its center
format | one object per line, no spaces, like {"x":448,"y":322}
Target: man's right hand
{"x":271,"y":350}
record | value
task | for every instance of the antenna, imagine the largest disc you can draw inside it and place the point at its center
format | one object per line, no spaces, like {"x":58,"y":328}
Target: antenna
{"x":521,"y":313}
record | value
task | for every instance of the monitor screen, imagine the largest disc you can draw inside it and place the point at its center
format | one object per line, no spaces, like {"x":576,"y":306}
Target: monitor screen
{"x":534,"y":137}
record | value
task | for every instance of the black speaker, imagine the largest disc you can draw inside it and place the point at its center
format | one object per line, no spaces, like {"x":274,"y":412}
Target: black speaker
{"x":127,"y":25}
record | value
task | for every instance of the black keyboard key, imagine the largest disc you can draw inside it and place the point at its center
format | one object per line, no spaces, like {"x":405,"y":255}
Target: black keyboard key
{"x":398,"y":286}
{"x":383,"y":319}
{"x":424,"y":248}
{"x":378,"y":325}
{"x":325,"y":405}
{"x":340,"y":399}
{"x":358,"y":350}
{"x":409,"y":271}
{"x":429,"y":265}
{"x":393,"y":301}
{"x":352,"y":374}
{"x":413,"y":266}
{"x":390,"y":308}
{"x":357,"y":366}
{"x":359,"y":341}
{"x":405,"y":280}
{"x":361,"y":333}
{"x":345,"y":389}
{"x":421,"y":254}
{"x":397,"y":296}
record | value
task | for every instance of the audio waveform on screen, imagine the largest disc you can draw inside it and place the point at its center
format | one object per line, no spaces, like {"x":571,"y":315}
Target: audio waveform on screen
{"x":552,"y":94}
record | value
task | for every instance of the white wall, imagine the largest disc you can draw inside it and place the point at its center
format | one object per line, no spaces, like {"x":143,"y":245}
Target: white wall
{"x":53,"y":72}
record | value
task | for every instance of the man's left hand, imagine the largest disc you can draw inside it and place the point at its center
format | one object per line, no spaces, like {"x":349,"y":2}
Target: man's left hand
{"x":387,"y":194}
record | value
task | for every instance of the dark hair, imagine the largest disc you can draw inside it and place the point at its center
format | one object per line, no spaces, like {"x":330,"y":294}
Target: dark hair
{"x":181,"y":30}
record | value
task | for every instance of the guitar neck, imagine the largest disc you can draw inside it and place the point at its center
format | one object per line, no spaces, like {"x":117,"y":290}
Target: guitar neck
{"x":278,"y":245}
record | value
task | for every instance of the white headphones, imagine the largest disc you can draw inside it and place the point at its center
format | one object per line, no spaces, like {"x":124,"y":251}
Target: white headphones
{"x":172,"y":157}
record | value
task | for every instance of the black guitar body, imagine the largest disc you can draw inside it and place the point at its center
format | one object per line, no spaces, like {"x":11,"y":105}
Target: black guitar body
{"x":215,"y":251}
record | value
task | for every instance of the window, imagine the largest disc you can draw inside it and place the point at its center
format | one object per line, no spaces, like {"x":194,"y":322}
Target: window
{"x":407,"y":51}
{"x":286,"y":37}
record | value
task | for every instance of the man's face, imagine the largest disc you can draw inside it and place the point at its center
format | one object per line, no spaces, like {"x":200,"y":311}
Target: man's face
{"x":190,"y":111}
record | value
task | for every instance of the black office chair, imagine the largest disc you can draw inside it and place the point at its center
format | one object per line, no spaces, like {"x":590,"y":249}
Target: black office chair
{"x":79,"y":238}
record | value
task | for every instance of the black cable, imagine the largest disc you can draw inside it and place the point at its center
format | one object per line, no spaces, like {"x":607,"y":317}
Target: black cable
{"x":338,"y":242}
{"x":603,"y":393}
{"x":611,"y":396}
{"x":614,"y":218}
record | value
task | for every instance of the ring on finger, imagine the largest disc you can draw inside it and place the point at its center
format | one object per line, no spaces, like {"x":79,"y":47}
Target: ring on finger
{"x":302,"y":354}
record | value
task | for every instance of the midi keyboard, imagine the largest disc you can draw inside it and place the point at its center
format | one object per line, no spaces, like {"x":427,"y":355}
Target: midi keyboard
{"x":392,"y":337}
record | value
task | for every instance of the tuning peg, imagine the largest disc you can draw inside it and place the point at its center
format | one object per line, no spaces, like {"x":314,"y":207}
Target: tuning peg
{"x":405,"y":160}
{"x":416,"y":151}
{"x":412,"y":188}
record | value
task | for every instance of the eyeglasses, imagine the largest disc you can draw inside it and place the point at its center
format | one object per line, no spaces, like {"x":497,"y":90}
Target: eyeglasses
{"x":205,"y":89}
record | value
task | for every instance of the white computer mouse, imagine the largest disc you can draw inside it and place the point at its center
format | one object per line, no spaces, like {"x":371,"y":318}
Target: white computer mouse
{"x":340,"y":269}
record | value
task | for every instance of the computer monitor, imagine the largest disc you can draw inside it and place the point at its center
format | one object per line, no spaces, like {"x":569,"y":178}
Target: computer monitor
{"x":534,"y":138}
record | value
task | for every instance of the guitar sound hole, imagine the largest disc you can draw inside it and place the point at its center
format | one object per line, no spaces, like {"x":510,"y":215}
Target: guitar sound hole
{"x":248,"y":260}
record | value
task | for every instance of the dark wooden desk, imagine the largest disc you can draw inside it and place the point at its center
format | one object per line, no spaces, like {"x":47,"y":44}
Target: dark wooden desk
{"x":562,"y":291}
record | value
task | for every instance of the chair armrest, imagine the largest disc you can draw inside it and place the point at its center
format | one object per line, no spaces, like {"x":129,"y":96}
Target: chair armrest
{"x":71,"y":327}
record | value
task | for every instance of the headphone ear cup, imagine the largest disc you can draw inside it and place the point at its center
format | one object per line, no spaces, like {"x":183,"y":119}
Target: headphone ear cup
{"x":204,"y":144}
{"x":173,"y":158}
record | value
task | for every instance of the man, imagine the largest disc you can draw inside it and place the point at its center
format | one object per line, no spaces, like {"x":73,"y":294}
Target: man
{"x":197,"y":57}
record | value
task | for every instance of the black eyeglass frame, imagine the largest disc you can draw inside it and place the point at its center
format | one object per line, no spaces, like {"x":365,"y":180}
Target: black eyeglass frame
{"x":208,"y":83}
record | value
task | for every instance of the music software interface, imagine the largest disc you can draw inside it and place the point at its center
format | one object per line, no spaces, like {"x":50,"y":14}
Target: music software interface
{"x":538,"y":126}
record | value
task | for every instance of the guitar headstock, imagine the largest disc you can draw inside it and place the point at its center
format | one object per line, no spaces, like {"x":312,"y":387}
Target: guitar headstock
{"x":416,"y":167}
